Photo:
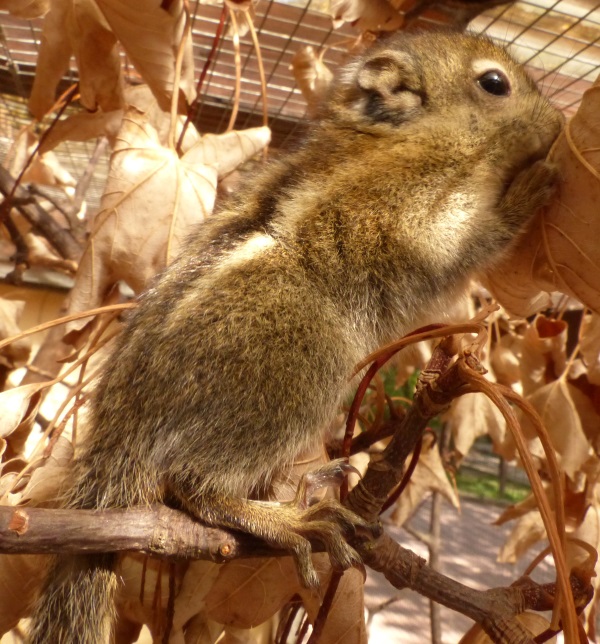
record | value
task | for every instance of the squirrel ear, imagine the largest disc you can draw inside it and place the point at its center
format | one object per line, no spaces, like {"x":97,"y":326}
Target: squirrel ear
{"x":393,"y":87}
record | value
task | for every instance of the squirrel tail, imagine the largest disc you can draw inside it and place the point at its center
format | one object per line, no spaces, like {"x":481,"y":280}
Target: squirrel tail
{"x":76,"y":603}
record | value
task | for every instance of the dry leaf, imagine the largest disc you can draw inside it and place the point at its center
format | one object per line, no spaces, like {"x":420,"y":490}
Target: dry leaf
{"x":560,"y":250}
{"x":84,"y":126}
{"x":191,"y":597}
{"x":19,"y":407}
{"x":429,"y":476}
{"x":151,"y":201}
{"x":97,"y":55}
{"x":250,"y":591}
{"x":543,"y":352}
{"x":20,"y":578}
{"x":346,"y":620}
{"x":151,"y":33}
{"x":45,"y":169}
{"x":533,"y":622}
{"x":143,"y":593}
{"x":225,"y":152}
{"x":589,"y":346}
{"x":505,"y":359}
{"x":365,"y":15}
{"x":53,"y":58}
{"x":523,"y":507}
{"x":527,"y":532}
{"x":17,"y":353}
{"x":554,"y":403}
{"x":27,"y":9}
{"x":589,"y":532}
{"x":474,"y":415}
{"x":570,"y":225}
{"x":312,"y":76}
{"x":46,"y":481}
{"x":511,"y":282}
{"x":77,"y":28}
{"x":588,"y":415}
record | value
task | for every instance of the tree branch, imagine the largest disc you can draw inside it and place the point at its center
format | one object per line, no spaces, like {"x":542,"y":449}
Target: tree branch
{"x":62,"y":240}
{"x":164,"y":532}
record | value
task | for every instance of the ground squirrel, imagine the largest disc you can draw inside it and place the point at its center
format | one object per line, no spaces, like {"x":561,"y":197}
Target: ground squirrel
{"x":425,"y":164}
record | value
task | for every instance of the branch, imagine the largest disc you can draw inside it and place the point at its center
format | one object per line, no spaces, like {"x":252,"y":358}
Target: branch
{"x":494,"y":609}
{"x":62,"y":240}
{"x":157,"y":530}
{"x":164,"y":532}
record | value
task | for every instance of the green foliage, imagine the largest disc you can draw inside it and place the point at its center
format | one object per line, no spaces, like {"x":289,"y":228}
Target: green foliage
{"x":487,"y":486}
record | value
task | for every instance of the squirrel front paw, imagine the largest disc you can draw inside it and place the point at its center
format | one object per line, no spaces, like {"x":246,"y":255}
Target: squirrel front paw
{"x":532,"y":189}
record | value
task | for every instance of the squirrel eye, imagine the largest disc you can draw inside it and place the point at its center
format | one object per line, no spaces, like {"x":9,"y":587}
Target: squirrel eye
{"x":494,"y":82}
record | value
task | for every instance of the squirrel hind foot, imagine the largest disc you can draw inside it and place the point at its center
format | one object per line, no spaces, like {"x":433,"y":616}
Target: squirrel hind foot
{"x":289,"y":526}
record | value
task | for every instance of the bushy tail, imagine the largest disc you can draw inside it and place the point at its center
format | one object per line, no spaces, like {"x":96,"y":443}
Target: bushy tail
{"x":76,"y":604}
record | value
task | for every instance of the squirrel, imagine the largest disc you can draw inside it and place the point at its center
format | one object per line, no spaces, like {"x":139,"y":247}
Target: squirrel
{"x":426,"y":162}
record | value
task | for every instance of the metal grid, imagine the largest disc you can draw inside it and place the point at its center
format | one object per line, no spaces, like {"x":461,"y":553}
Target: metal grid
{"x":559,"y":40}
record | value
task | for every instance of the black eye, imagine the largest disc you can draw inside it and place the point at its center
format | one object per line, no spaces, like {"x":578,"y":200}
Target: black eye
{"x":494,"y":82}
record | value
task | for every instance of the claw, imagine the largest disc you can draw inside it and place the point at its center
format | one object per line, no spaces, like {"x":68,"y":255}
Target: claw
{"x":331,"y":474}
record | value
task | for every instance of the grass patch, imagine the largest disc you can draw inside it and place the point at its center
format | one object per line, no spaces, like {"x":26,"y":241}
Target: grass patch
{"x":487,"y":487}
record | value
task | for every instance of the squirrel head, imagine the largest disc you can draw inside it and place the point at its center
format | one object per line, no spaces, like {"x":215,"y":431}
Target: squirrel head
{"x":458,"y":79}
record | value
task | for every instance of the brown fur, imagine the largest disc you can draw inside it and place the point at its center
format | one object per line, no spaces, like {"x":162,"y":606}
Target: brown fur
{"x":414,"y":178}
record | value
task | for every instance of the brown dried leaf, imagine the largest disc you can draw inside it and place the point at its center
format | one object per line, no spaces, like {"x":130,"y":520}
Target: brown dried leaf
{"x":366,"y":15}
{"x":571,"y":224}
{"x":505,"y":359}
{"x":312,"y":75}
{"x":20,"y":578}
{"x":151,"y":200}
{"x":517,"y":510}
{"x":543,"y":352}
{"x":346,"y":619}
{"x":472,"y":416}
{"x":17,"y":353}
{"x":225,"y":152}
{"x":81,"y":29}
{"x":589,"y":346}
{"x":589,"y":532}
{"x":429,"y":476}
{"x":248,"y":592}
{"x":588,"y":415}
{"x":46,"y":481}
{"x":27,"y":9}
{"x":527,"y":532}
{"x":143,"y":594}
{"x":535,"y":623}
{"x":19,"y":407}
{"x":97,"y":55}
{"x":554,"y":403}
{"x":53,"y":58}
{"x":196,"y":584}
{"x":512,"y":283}
{"x":84,"y":126}
{"x":151,"y":33}
{"x":559,"y":251}
{"x":45,"y":169}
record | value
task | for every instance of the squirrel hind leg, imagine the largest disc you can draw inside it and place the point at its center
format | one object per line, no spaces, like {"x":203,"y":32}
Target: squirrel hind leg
{"x":289,"y":526}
